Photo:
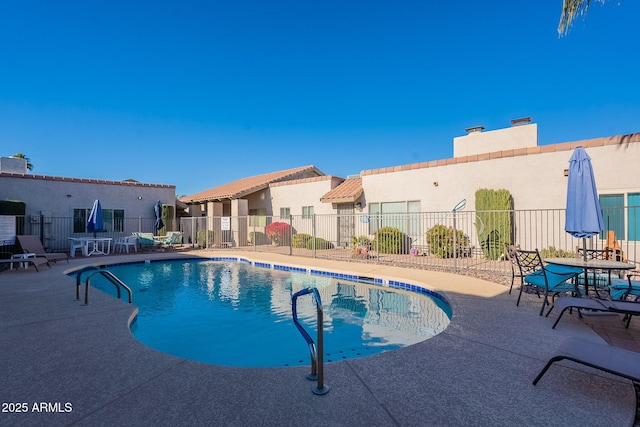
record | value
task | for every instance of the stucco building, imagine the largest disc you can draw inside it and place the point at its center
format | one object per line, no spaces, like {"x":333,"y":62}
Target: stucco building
{"x":58,"y":207}
{"x":510,"y":158}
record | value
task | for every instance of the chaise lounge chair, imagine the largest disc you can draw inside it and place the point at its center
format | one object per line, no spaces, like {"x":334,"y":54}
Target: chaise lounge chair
{"x":564,"y":303}
{"x":172,"y":238}
{"x":147,"y":241}
{"x":604,"y":357}
{"x":31,"y":244}
{"x":35,"y":261}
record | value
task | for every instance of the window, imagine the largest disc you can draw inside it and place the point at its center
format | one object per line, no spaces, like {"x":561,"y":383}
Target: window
{"x":401,"y":215}
{"x":633,"y":201}
{"x":258,"y":217}
{"x":285,"y":213}
{"x":307,"y":212}
{"x":80,"y":220}
{"x":113,"y":220}
{"x":118,"y":220}
{"x":612,"y":206}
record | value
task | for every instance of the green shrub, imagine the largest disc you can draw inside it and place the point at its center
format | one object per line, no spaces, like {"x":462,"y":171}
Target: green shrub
{"x":300,"y":240}
{"x":167,"y":215}
{"x":494,"y":212}
{"x":201,"y":237}
{"x":440,"y":240}
{"x":319,"y":243}
{"x":257,"y":238}
{"x":390,"y":240}
{"x":492,"y":245}
{"x":552,"y":252}
{"x":360,"y":242}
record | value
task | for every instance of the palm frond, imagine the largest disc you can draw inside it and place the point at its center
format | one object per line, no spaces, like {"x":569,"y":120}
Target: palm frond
{"x":571,"y":9}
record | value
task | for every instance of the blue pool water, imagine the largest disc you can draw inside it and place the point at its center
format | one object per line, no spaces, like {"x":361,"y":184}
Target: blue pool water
{"x":236,"y":314}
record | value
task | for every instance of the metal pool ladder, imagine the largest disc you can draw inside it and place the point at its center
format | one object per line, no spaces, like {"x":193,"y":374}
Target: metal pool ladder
{"x":317,"y":358}
{"x":119,"y":284}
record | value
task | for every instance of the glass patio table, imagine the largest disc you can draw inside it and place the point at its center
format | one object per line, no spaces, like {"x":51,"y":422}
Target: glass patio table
{"x":591,"y":264}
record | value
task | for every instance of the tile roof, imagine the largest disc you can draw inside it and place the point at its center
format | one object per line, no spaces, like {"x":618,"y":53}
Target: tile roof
{"x":244,"y":186}
{"x":347,"y":192}
{"x":331,"y":178}
{"x":538,"y":149}
{"x":126,"y":182}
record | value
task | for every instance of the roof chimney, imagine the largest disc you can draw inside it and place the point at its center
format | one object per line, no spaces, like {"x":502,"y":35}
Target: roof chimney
{"x":474,"y":129}
{"x":521,"y":121}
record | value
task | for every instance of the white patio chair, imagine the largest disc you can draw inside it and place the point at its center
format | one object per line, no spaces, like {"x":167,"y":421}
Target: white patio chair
{"x":124,"y":243}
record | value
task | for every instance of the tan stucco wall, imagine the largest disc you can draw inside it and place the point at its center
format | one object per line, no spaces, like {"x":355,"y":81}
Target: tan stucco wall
{"x":13,"y":165}
{"x":506,"y":159}
{"x":521,"y":136}
{"x":302,"y":193}
{"x":536,"y":181}
{"x":58,"y":197}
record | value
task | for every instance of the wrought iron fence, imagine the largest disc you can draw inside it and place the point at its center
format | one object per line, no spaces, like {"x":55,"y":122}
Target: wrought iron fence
{"x":453,"y":241}
{"x":54,"y":232}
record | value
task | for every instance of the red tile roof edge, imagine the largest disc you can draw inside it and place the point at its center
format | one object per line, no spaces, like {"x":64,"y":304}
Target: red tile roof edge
{"x":239,"y":188}
{"x":305,"y":180}
{"x":81,"y":180}
{"x":550,"y":148}
{"x":348,"y":191}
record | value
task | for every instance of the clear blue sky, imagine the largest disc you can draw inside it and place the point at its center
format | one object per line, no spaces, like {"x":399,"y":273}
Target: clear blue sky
{"x":197,"y":94}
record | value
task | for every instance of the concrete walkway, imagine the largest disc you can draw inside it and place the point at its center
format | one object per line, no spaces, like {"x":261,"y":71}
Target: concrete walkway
{"x":72,"y":364}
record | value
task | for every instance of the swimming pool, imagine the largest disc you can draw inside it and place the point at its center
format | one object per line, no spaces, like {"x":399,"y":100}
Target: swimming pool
{"x":236,"y":313}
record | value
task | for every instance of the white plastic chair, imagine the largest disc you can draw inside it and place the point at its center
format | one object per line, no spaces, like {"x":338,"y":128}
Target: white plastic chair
{"x":125,"y":243}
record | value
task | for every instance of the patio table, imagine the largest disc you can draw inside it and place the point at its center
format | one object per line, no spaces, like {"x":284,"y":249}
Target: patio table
{"x":91,"y":245}
{"x":591,"y":264}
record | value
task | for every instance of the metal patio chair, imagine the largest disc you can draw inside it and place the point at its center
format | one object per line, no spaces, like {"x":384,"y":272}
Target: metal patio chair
{"x":552,"y":279}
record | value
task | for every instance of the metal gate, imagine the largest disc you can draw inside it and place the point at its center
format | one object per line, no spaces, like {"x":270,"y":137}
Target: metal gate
{"x":346,"y":224}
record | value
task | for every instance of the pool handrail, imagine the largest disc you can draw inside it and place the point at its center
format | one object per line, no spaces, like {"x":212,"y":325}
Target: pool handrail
{"x":111,"y":278}
{"x":79,"y":278}
{"x":317,"y":355}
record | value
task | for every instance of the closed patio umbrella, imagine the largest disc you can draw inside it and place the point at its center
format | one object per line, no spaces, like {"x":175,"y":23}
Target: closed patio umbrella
{"x":95,"y":222}
{"x":583,"y":216}
{"x":158,"y":209}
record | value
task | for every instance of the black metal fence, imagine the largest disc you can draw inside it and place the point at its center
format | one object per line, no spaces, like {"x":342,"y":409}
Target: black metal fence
{"x":455,"y":241}
{"x":452,"y":241}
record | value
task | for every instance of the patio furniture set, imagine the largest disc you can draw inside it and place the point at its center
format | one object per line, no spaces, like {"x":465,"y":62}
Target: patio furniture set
{"x":584,"y":284}
{"x":35,"y":255}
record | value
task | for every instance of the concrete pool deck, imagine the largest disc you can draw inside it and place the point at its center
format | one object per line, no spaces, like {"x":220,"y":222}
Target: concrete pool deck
{"x":85,"y":366}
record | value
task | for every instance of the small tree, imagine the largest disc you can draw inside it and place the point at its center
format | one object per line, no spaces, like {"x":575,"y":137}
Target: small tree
{"x":279,"y":233}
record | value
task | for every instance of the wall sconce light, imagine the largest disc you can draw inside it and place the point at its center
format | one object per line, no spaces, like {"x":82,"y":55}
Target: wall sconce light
{"x":435,"y":183}
{"x":566,"y":172}
{"x":139,"y":197}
